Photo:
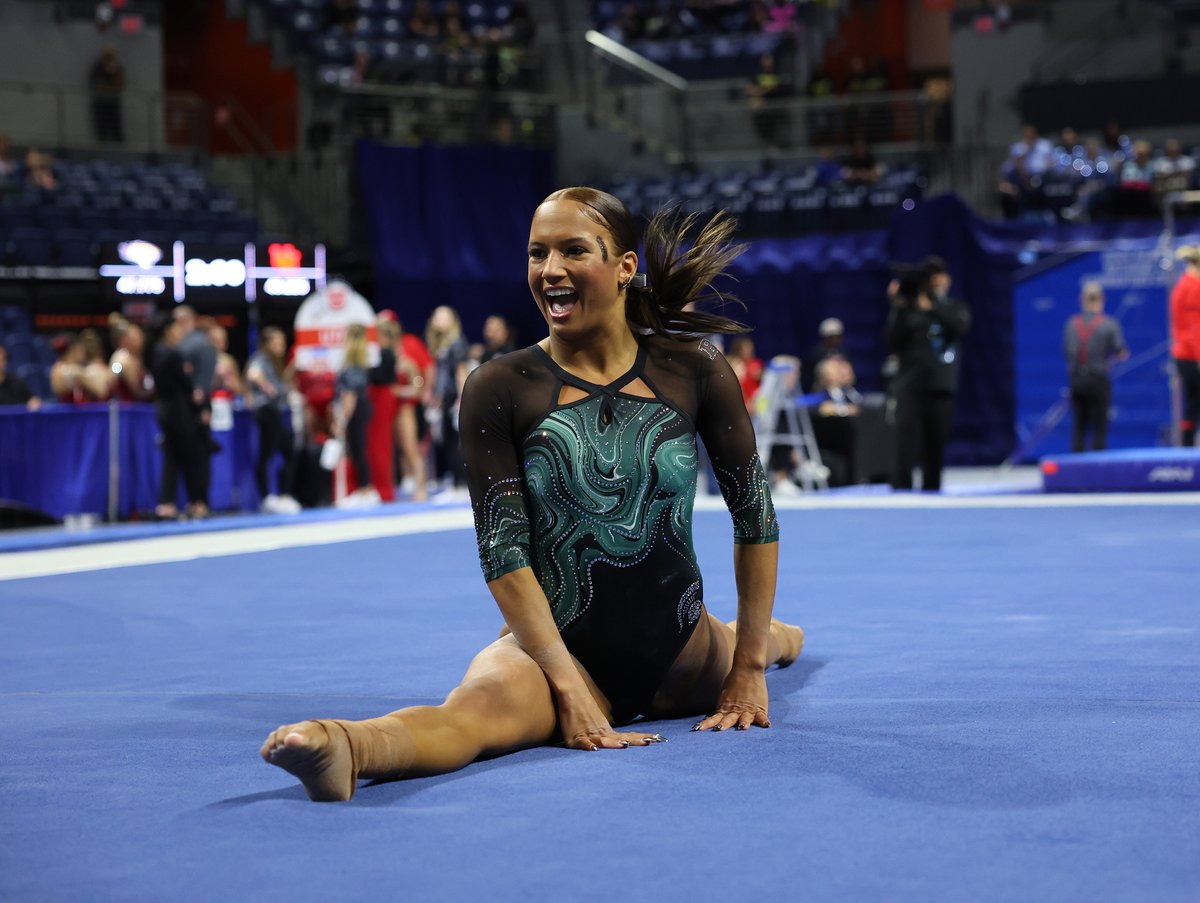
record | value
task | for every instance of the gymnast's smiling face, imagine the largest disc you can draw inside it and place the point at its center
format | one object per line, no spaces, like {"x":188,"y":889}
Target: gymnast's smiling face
{"x":575,"y":273}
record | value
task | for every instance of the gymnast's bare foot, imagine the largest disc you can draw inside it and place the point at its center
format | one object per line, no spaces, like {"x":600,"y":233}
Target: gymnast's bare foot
{"x":316,"y":752}
{"x":790,"y":639}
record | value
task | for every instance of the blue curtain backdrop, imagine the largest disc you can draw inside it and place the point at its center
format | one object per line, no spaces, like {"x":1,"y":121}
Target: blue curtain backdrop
{"x":449,"y":226}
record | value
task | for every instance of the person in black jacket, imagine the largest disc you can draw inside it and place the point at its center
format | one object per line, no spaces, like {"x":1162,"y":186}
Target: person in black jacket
{"x":182,"y":442}
{"x":925,"y":328}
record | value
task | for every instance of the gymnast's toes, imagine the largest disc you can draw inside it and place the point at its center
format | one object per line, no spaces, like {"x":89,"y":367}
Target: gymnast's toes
{"x":792,"y":640}
{"x":310,"y":753}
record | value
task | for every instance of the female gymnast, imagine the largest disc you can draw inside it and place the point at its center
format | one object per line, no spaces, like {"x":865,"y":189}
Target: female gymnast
{"x":581,"y":459}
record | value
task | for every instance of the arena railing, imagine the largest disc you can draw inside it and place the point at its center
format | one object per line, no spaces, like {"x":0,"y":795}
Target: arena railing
{"x":67,"y":117}
{"x":411,"y":114}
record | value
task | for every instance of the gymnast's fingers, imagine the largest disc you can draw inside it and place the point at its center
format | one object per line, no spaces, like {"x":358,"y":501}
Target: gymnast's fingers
{"x":636,"y":739}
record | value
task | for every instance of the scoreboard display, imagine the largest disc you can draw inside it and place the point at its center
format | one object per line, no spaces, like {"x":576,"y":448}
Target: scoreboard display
{"x":204,"y":275}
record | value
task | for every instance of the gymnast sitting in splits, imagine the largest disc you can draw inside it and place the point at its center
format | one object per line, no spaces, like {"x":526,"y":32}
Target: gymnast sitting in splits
{"x":581,"y":458}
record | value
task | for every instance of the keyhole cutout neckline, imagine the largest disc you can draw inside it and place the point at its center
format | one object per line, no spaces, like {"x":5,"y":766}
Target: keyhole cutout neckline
{"x":613,"y":388}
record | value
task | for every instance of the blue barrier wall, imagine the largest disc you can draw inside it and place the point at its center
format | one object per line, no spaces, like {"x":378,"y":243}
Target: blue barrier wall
{"x":57,"y":460}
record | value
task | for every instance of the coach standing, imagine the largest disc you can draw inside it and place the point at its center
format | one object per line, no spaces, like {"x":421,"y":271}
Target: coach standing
{"x":1185,"y":340}
{"x":1091,"y":341}
{"x":925,"y":328}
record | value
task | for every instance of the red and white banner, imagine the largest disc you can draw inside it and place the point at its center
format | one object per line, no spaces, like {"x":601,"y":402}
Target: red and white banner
{"x":321,"y":323}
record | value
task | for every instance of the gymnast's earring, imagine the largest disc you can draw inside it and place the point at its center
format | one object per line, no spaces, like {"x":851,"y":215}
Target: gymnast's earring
{"x":637,"y":280}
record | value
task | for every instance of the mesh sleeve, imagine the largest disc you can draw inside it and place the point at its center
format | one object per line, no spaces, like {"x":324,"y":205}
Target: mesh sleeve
{"x":494,"y":473}
{"x":724,"y":426}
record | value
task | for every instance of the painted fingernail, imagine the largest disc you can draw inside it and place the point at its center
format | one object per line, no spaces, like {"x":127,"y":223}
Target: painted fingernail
{"x":696,"y":726}
{"x":595,"y":748}
{"x":718,"y":728}
{"x":741,"y":727}
{"x":624,"y":743}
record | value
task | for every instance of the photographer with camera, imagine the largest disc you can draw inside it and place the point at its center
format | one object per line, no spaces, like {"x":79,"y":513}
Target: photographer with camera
{"x":924,"y":329}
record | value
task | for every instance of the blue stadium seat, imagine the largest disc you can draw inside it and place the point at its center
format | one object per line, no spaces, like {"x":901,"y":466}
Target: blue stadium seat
{"x":37,"y":377}
{"x":30,"y":247}
{"x":806,"y":210}
{"x":74,"y":248}
{"x":92,"y":219}
{"x":17,"y":217}
{"x":42,"y":351}
{"x":20,"y":349}
{"x":13,"y":319}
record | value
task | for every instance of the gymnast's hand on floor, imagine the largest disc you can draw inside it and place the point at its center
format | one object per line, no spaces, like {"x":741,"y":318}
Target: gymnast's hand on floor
{"x":743,"y":702}
{"x":585,"y":727}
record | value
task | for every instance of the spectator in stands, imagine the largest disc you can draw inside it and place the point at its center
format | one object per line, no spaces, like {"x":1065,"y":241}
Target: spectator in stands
{"x":132,"y":381}
{"x":183,"y":447}
{"x":629,"y":26}
{"x":1091,"y":341}
{"x":81,"y":374}
{"x":831,"y":334}
{"x":747,"y":366}
{"x":414,"y":383}
{"x":423,"y":24}
{"x":1173,"y":171}
{"x":1116,"y":143}
{"x":39,"y":170}
{"x":454,"y":47}
{"x":1135,"y":196}
{"x":497,"y":338}
{"x":861,"y":167}
{"x":13,"y":389}
{"x":1185,"y":340}
{"x":674,"y":20}
{"x":1028,"y":159}
{"x":341,"y":14}
{"x":520,"y":28}
{"x":268,"y":380}
{"x":444,"y":339}
{"x":829,"y":171}
{"x":1068,"y":144}
{"x":835,"y":419}
{"x":227,"y":373}
{"x":1097,"y":179}
{"x":106,"y":81}
{"x":824,"y":121}
{"x":770,"y":119}
{"x":781,"y":18}
{"x":925,"y":327}
{"x":352,"y":410}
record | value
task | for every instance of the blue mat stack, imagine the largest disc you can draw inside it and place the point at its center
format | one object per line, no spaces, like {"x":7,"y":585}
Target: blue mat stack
{"x":1126,"y":470}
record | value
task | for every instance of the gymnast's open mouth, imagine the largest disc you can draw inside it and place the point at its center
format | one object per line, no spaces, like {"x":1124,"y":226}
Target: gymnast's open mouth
{"x":560,"y":301}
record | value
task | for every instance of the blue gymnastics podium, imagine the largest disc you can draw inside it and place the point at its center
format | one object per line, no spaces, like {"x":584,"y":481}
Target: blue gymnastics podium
{"x":1124,"y":470}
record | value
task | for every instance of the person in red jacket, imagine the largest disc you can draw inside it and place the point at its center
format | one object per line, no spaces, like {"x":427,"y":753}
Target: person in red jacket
{"x":1185,"y":340}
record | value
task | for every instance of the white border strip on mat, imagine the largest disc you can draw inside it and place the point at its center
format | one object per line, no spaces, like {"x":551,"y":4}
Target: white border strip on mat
{"x":161,"y":550}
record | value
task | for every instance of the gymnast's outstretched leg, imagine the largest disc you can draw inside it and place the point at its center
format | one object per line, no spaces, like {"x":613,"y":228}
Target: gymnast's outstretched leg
{"x":503,"y":704}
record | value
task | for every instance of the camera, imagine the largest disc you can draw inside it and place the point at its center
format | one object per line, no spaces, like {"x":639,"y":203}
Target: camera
{"x":912,"y":280}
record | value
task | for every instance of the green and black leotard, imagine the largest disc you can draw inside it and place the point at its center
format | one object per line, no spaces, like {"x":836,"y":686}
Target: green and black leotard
{"x":596,"y":495}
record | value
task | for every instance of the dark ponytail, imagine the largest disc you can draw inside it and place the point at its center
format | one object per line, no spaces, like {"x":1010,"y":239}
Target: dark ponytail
{"x":676,"y":275}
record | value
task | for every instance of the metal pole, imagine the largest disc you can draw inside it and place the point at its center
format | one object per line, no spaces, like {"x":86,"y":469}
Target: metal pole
{"x":114,"y":462}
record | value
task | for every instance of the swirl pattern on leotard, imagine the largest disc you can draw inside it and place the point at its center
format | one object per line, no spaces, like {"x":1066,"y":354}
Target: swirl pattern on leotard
{"x":610,"y":482}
